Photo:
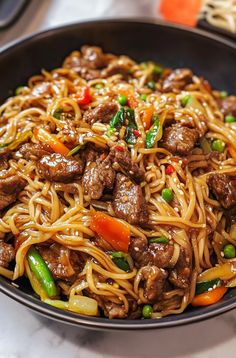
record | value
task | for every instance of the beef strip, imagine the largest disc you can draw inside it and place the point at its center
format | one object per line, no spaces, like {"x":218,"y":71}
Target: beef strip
{"x":102,"y":113}
{"x":154,"y":281}
{"x":177,"y":80}
{"x":94,"y":56}
{"x":34,"y":150}
{"x":113,"y":310}
{"x":56,"y":167}
{"x":180,"y":275}
{"x":89,"y":63}
{"x":4,"y":161}
{"x":116,"y":67}
{"x":128,"y":201}
{"x":154,"y":254}
{"x":62,"y":262}
{"x":98,"y":174}
{"x":228,"y":105}
{"x":179,"y":140}
{"x":224,"y":189}
{"x":10,"y":188}
{"x":120,"y":155}
{"x":7,"y":254}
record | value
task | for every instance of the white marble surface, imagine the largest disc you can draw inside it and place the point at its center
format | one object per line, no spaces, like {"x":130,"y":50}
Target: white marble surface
{"x":26,"y":335}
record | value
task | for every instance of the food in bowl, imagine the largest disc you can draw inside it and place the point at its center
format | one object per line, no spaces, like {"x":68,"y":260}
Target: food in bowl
{"x":117,"y":187}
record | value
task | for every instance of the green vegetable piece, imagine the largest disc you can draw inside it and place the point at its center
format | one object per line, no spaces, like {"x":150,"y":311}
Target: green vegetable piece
{"x":3,"y":145}
{"x":143,"y":97}
{"x":19,"y":90}
{"x":119,"y":258}
{"x":75,"y":150}
{"x":151,"y":85}
{"x":122,"y":99}
{"x":153,"y":132}
{"x":159,"y":240}
{"x":41,"y":272}
{"x":223,"y":94}
{"x":202,"y":287}
{"x":130,"y":138}
{"x":229,"y":251}
{"x":57,"y":113}
{"x":110,"y":131}
{"x":218,"y":145}
{"x":147,"y":311}
{"x":184,"y":100}
{"x":118,"y":119}
{"x":157,"y":70}
{"x":230,"y":119}
{"x":167,"y":195}
{"x":99,"y":86}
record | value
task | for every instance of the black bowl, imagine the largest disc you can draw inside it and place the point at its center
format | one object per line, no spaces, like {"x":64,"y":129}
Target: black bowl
{"x":207,"y":55}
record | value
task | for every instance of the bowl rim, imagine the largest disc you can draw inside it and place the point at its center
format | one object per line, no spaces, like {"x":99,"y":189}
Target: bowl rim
{"x":95,"y":322}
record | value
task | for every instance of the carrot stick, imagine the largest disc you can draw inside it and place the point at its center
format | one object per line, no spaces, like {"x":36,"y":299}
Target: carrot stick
{"x":43,"y":136}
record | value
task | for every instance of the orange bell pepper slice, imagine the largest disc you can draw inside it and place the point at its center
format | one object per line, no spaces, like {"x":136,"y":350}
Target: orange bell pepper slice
{"x":116,"y":233}
{"x":179,"y":11}
{"x":44,"y":136}
{"x":147,"y":117}
{"x":209,"y":297}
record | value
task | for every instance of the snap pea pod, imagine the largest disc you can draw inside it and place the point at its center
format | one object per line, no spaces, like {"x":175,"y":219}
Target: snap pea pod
{"x":118,"y":119}
{"x":129,"y":134}
{"x":153,"y":133}
{"x":119,"y":258}
{"x":41,"y":272}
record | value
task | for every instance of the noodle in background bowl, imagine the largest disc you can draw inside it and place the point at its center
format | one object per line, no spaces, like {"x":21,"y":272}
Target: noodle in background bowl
{"x":174,"y":46}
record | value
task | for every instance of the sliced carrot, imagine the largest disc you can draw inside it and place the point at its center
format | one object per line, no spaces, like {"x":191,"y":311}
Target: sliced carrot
{"x":147,"y":116}
{"x":44,"y":136}
{"x":232,"y":151}
{"x":209,"y":297}
{"x":183,"y":12}
{"x":116,"y":233}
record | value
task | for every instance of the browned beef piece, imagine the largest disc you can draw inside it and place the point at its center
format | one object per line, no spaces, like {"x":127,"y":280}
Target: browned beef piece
{"x":10,"y":187}
{"x":62,"y":262}
{"x":224,"y":189}
{"x":102,"y":113}
{"x":155,"y":254}
{"x":113,"y":310}
{"x":34,"y":150}
{"x":94,"y":56}
{"x":128,"y":201}
{"x":4,"y":161}
{"x":88,"y":64}
{"x":56,"y":167}
{"x":228,"y":105}
{"x":120,"y":155}
{"x":180,"y":275}
{"x":7,"y":254}
{"x":98,"y":174}
{"x":67,"y":188}
{"x":177,"y":80}
{"x":116,"y":67}
{"x":154,"y":281}
{"x":179,"y":140}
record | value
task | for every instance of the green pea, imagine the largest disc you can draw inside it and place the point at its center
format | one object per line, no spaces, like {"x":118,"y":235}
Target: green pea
{"x":167,"y":195}
{"x":99,"y":86}
{"x":229,"y":251}
{"x":230,"y":118}
{"x":218,"y":145}
{"x":159,"y":240}
{"x":147,"y":311}
{"x":122,"y":99}
{"x":223,"y":94}
{"x":151,"y":85}
{"x":185,"y":100}
{"x":143,"y":97}
{"x":57,"y":113}
{"x":157,"y":70}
